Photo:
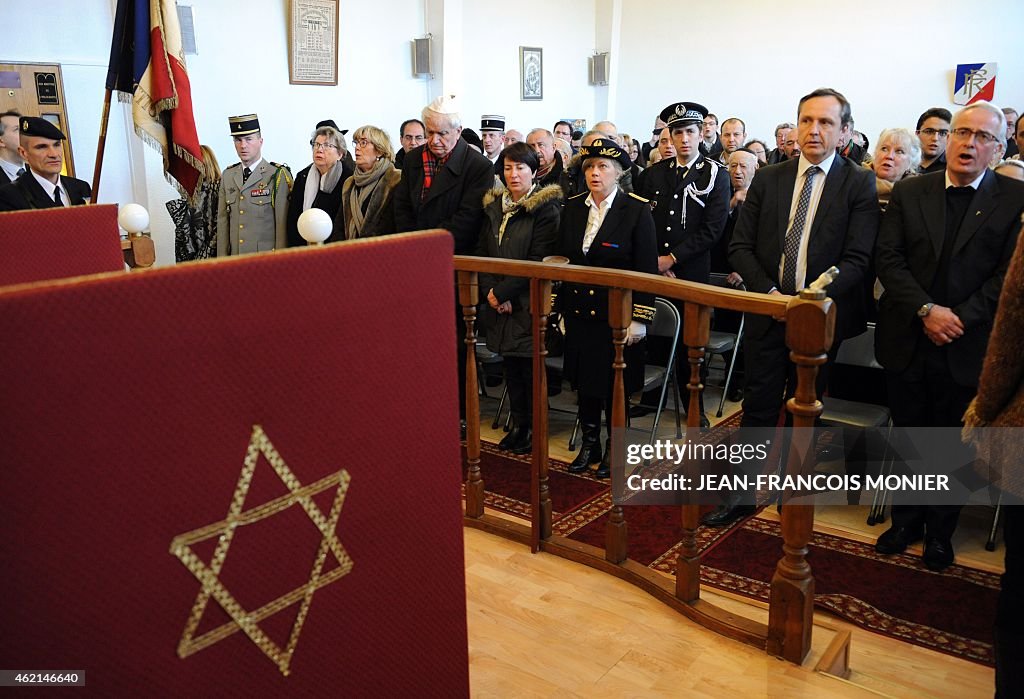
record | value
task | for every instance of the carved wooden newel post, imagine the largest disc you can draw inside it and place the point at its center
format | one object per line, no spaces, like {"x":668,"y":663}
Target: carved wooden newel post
{"x":620,"y":313}
{"x":696,"y":329}
{"x":468,"y":296}
{"x":810,"y":320}
{"x":540,"y":492}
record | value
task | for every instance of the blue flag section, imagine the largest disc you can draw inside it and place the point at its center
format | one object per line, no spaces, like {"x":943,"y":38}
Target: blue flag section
{"x":130,"y":50}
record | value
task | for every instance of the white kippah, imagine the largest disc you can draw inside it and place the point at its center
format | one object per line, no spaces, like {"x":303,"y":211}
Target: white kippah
{"x":445,"y":104}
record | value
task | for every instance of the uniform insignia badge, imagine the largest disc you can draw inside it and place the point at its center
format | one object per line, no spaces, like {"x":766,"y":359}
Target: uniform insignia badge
{"x":680,"y":109}
{"x":260,"y":193}
{"x":700,"y":166}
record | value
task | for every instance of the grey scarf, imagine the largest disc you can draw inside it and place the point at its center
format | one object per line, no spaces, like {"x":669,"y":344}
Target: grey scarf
{"x":315,"y":183}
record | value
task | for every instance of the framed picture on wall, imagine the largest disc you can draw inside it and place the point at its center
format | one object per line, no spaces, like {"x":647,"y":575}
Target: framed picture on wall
{"x":313,"y":42}
{"x":531,"y":73}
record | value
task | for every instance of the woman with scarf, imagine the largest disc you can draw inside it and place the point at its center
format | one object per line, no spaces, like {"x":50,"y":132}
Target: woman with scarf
{"x":319,"y":185}
{"x":367,"y":195}
{"x":520,"y":223}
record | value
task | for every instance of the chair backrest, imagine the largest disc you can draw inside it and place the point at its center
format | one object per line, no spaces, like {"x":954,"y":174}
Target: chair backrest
{"x":666,"y":320}
{"x":722,"y":280}
{"x":859,"y":350}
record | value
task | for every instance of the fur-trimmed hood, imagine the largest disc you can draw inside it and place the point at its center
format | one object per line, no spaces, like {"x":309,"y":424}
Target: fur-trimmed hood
{"x":552,"y":192}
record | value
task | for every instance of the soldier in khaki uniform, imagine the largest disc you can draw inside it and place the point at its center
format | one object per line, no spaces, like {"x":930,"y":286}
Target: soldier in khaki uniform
{"x":253,"y":203}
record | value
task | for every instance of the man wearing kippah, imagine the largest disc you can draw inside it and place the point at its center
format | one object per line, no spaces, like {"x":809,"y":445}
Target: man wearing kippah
{"x":42,"y":186}
{"x":252,"y":210}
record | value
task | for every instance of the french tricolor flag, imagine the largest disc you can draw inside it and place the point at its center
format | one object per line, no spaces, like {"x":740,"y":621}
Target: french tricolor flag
{"x":974,"y":82}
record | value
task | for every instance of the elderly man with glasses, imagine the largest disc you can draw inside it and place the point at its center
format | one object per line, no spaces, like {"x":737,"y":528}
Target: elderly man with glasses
{"x":943,"y":249}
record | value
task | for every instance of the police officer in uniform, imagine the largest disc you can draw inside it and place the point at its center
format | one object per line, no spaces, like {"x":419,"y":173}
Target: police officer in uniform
{"x":689,"y":195}
{"x":252,"y":209}
{"x":42,"y":186}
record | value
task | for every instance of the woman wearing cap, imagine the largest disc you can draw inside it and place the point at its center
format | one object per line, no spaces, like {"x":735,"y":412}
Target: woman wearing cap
{"x":897,"y":155}
{"x":520,"y":223}
{"x":603,"y":228}
{"x":367,"y":195}
{"x":319,"y":185}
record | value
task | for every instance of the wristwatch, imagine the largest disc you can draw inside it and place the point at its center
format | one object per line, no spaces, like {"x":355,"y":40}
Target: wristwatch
{"x":924,"y":310}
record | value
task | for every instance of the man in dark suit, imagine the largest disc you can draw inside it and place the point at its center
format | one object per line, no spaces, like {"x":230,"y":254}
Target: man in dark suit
{"x":689,"y":195}
{"x":944,"y":247}
{"x":443,"y":185}
{"x":800,"y":218}
{"x":42,"y":186}
{"x":778,"y":153}
{"x":12,"y":165}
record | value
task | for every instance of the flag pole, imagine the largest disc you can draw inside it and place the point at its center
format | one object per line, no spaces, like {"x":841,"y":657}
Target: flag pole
{"x":100,"y":147}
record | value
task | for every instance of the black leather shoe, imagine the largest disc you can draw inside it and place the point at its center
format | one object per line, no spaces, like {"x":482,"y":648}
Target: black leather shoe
{"x":605,"y":469}
{"x":705,"y":423}
{"x":509,"y":441}
{"x":462,"y":430}
{"x":896,"y":540}
{"x":524,"y":444}
{"x":736,"y":395}
{"x":639,"y":411}
{"x":724,"y":515}
{"x":590,"y":449}
{"x":938,"y":555}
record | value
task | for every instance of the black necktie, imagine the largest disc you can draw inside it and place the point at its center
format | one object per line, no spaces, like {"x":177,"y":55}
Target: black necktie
{"x":681,"y":171}
{"x":21,"y":171}
{"x":245,"y":174}
{"x":56,"y":196}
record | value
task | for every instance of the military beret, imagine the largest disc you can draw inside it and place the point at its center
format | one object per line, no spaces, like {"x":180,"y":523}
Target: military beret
{"x":37,"y":126}
{"x":682,"y":113}
{"x":606,"y":148}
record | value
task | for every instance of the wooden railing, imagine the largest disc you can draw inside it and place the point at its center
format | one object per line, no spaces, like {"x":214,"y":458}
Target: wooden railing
{"x":809,"y":319}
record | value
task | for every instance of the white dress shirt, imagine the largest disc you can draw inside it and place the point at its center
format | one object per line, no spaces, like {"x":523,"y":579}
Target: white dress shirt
{"x":805,"y":235}
{"x":10,"y":169}
{"x":48,"y":187}
{"x":596,"y":217}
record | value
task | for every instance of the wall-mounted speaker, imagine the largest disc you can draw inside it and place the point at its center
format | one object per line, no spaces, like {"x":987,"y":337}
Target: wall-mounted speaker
{"x":188,"y":30}
{"x":421,"y":56}
{"x":598,"y":69}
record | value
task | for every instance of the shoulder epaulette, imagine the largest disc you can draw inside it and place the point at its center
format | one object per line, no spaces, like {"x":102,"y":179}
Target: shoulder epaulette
{"x":235,"y":165}
{"x":577,"y":196}
{"x":637,"y":196}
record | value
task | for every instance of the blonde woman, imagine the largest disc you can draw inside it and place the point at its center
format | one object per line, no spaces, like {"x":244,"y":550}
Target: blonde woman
{"x":367,"y":195}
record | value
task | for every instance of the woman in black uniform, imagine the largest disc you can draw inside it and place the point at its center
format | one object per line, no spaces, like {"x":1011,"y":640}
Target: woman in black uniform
{"x":604,"y":227}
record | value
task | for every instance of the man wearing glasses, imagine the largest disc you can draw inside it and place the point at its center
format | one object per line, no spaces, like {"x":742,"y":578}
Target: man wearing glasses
{"x":253,"y":204}
{"x":933,"y":130}
{"x":943,"y":248}
{"x":413,"y":135}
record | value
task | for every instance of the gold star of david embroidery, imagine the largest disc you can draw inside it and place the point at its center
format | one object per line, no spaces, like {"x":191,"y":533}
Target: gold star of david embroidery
{"x":241,"y":619}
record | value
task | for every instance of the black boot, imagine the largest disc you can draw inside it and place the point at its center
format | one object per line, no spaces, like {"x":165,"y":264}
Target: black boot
{"x":523,"y":445}
{"x":510,"y":440}
{"x":727,"y":513}
{"x":590,"y":449}
{"x":605,"y":469}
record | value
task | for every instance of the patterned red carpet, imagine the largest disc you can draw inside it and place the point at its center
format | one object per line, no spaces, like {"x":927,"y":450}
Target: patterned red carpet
{"x":896,"y":596}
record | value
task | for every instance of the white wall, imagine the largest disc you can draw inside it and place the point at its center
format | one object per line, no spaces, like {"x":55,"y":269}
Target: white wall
{"x":493,"y":33}
{"x":892,"y":60}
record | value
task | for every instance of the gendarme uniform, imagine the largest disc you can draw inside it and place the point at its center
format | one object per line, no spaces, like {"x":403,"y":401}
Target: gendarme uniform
{"x":252,"y":211}
{"x":690,"y":207}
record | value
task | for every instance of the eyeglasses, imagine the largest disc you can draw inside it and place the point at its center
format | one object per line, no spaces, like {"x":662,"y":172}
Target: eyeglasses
{"x":322,"y":146}
{"x":934,"y":132}
{"x":363,"y":142}
{"x":964,"y":133}
{"x":411,"y":137}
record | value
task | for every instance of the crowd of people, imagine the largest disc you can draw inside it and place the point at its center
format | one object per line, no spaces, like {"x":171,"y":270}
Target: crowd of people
{"x":922,"y":229}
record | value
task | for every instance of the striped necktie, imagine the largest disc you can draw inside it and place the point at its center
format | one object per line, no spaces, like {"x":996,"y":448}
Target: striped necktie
{"x":795,"y":233}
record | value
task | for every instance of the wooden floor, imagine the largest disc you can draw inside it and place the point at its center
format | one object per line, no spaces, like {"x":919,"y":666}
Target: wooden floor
{"x":543,"y":626}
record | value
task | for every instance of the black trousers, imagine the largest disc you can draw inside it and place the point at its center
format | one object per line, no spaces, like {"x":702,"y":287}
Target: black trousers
{"x":519,"y":380}
{"x":925,"y":395}
{"x":1010,"y":612}
{"x":771,"y":377}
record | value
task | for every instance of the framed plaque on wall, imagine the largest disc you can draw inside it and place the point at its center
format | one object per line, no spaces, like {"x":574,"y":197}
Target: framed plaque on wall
{"x":313,"y":42}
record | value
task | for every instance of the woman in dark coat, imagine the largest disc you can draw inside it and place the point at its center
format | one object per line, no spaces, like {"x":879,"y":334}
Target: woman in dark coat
{"x":520,"y":223}
{"x":319,"y":185}
{"x":605,"y":228}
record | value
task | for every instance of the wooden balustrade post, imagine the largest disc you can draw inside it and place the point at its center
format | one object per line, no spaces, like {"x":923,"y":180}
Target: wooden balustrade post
{"x":696,"y":330}
{"x":620,"y":313}
{"x":468,"y":295}
{"x":810,"y":321}
{"x":540,"y":492}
